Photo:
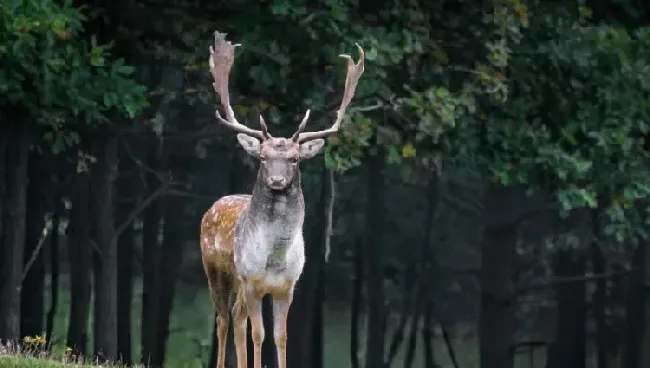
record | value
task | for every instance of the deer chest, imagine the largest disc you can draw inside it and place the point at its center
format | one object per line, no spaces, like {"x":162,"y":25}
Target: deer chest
{"x":272,"y":249}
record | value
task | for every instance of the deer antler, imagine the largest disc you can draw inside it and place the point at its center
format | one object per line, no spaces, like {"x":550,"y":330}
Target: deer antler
{"x":354,"y":73}
{"x":222,"y":57}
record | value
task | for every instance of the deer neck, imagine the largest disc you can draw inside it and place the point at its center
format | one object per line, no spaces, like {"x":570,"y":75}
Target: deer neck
{"x":278,"y":206}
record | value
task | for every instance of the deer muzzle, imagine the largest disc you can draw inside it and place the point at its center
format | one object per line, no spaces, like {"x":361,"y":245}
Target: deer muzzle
{"x":276,"y":182}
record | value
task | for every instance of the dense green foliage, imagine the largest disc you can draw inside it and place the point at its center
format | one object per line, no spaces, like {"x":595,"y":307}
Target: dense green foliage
{"x":51,"y":75}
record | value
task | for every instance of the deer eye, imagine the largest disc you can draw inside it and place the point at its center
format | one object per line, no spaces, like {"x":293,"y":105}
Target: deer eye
{"x":263,"y":159}
{"x":293,"y":160}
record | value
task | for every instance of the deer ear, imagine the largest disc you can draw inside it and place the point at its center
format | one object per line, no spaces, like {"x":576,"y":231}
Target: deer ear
{"x":311,"y":148}
{"x":251,"y":144}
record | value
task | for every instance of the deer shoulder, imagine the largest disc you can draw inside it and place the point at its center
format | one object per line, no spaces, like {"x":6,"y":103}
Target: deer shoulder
{"x":218,"y":230}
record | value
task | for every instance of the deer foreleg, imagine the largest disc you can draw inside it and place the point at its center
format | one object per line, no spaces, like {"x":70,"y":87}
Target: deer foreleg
{"x":254,"y":308}
{"x":281,"y":306}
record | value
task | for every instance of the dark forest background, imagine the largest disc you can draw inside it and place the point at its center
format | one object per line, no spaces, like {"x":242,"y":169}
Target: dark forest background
{"x":485,"y":204}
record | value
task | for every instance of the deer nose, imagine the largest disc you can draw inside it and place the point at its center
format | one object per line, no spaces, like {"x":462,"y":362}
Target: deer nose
{"x":277,"y":180}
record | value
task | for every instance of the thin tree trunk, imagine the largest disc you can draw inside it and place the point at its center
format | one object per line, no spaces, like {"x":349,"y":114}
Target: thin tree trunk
{"x":428,"y":337}
{"x":376,"y":324}
{"x":318,"y":323}
{"x":11,"y":264}
{"x":151,"y":263}
{"x":406,"y":313}
{"x":600,"y":294}
{"x":105,"y":309}
{"x":355,"y":303}
{"x":127,"y":192}
{"x":32,"y":298}
{"x":569,"y":350}
{"x":318,"y":331}
{"x":423,"y":288}
{"x":172,"y":254}
{"x":80,"y":258}
{"x":634,"y":312}
{"x":3,"y":182}
{"x":497,"y":312}
{"x":409,"y":356}
{"x":450,"y":347}
{"x":54,"y":272}
{"x":644,"y":354}
{"x":300,"y":324}
{"x":125,"y":294}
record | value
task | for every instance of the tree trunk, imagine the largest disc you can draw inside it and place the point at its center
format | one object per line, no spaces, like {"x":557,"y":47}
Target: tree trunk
{"x":32,"y":298}
{"x":356,"y":302}
{"x":317,"y":322}
{"x":54,"y":272}
{"x":376,"y":324}
{"x":127,"y":193}
{"x":171,"y":257}
{"x":569,"y":349}
{"x":318,"y":318}
{"x":301,"y":316}
{"x":105,"y":309}
{"x":80,"y":258}
{"x":501,"y":213}
{"x":11,"y":263}
{"x":150,"y":262}
{"x":644,"y":354}
{"x":600,"y":294}
{"x":3,"y":182}
{"x":634,"y":312}
{"x":125,"y":294}
{"x":637,"y":317}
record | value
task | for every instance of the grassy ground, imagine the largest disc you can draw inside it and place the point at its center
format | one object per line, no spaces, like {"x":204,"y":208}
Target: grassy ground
{"x":191,"y":327}
{"x":8,"y":361}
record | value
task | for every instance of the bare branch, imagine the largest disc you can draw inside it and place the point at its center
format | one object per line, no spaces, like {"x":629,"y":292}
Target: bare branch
{"x":141,"y":207}
{"x":44,"y":235}
{"x":329,"y":213}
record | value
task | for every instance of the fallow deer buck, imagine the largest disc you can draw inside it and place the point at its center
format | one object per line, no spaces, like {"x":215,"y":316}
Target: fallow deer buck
{"x":252,"y":245}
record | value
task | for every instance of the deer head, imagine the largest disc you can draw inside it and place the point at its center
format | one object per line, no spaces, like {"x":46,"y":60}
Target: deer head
{"x":279,"y":157}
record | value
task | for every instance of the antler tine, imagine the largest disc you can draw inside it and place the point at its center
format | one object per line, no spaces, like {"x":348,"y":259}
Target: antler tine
{"x":301,"y":127}
{"x":354,"y":73}
{"x":265,"y":129}
{"x":222,"y":57}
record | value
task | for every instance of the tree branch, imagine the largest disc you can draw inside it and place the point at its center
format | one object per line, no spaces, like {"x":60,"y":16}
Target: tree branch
{"x":141,"y":207}
{"x":570,"y":280}
{"x":37,"y":250}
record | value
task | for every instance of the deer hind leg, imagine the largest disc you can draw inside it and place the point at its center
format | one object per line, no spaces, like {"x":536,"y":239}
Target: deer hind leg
{"x":281,"y":304}
{"x":220,"y":288}
{"x":240,"y":319}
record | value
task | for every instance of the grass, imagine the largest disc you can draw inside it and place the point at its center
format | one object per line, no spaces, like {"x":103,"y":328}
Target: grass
{"x":191,"y":328}
{"x":11,"y":361}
